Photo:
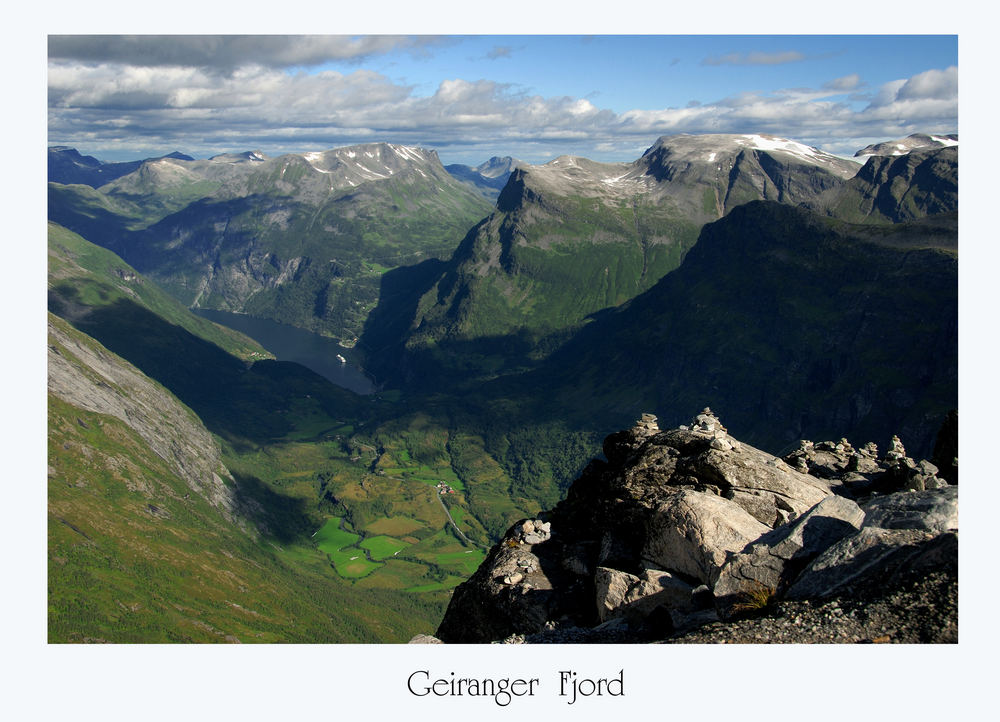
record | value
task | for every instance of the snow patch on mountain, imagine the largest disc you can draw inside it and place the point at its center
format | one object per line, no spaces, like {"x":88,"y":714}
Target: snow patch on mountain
{"x":771,"y":144}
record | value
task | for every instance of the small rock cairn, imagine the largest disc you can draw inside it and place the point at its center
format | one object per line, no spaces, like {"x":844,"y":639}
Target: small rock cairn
{"x":708,"y":423}
{"x":534,"y":531}
{"x":646,"y":426}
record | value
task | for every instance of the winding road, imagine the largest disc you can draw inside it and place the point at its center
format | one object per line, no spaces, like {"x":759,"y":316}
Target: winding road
{"x":458,"y":531}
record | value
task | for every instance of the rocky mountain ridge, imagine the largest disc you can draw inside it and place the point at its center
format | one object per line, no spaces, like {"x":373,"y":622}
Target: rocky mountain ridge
{"x":87,"y":376}
{"x":687,"y":532}
{"x":573,"y":237}
{"x":301,"y":238}
{"x":68,"y":165}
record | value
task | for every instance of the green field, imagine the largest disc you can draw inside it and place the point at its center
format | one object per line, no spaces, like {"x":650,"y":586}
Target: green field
{"x":331,"y":538}
{"x":381,"y":547}
{"x":398,"y":526}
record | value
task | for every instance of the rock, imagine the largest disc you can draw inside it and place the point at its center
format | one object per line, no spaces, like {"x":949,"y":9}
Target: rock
{"x":779,"y":491}
{"x":691,"y":533}
{"x":721,"y":444}
{"x":924,"y":476}
{"x":862,"y":563}
{"x":934,"y":510}
{"x":862,"y":463}
{"x":706,"y":422}
{"x":896,"y":450}
{"x":771,"y":562}
{"x":646,"y":425}
{"x":620,"y":594}
{"x":424,"y":639}
{"x":674,"y":524}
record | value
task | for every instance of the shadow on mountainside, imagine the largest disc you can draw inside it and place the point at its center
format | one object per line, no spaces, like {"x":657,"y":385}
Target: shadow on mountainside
{"x":238,"y":402}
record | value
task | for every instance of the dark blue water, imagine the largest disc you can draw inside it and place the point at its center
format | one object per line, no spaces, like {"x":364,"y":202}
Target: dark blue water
{"x":288,"y":343}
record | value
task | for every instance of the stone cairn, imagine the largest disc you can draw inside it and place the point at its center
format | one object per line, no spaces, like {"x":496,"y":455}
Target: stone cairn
{"x":535,"y":531}
{"x":839,"y":460}
{"x":646,"y":426}
{"x":708,"y":423}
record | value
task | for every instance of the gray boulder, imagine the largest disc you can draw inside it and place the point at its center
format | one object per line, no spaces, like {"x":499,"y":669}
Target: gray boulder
{"x":934,"y":510}
{"x":424,"y":639}
{"x":771,"y":562}
{"x":691,"y":533}
{"x":874,"y":558}
{"x":765,"y":486}
{"x":620,"y":594}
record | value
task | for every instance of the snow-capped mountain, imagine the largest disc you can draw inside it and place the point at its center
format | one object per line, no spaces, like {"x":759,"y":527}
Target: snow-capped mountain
{"x":917,"y":141}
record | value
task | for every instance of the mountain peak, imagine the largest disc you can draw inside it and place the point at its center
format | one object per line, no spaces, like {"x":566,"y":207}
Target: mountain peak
{"x":916,"y":141}
{"x":245,"y":156}
{"x":372,"y":161}
{"x":716,"y":148}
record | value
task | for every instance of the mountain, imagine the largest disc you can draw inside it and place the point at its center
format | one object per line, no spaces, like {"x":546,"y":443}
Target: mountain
{"x":489,"y":177}
{"x":301,"y":238}
{"x":792,"y":324}
{"x":917,"y":141}
{"x":894,"y":188}
{"x":708,"y":175}
{"x":687,"y":534}
{"x":68,"y":165}
{"x":571,"y":238}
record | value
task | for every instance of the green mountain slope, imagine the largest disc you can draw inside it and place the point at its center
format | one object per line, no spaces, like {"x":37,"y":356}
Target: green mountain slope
{"x":83,"y":276}
{"x":790,"y":325}
{"x":569,"y":239}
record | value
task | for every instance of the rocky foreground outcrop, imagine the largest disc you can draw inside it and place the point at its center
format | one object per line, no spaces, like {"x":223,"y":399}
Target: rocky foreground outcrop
{"x":688,"y":535}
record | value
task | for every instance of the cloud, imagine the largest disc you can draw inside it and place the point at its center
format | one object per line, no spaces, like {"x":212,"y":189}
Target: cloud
{"x":844,"y":84}
{"x":928,"y":99}
{"x":149,"y":109}
{"x":499,"y":51}
{"x":755,"y":58}
{"x":936,"y":84}
{"x":228,"y":52}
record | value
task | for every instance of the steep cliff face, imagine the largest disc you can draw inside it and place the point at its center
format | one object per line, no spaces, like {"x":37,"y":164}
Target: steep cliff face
{"x":689,"y":527}
{"x":86,"y":376}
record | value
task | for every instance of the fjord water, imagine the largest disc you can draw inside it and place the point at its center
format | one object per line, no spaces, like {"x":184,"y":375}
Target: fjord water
{"x":288,"y":343}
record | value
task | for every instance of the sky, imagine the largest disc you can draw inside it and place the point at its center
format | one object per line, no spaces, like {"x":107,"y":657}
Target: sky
{"x":470,"y":97}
